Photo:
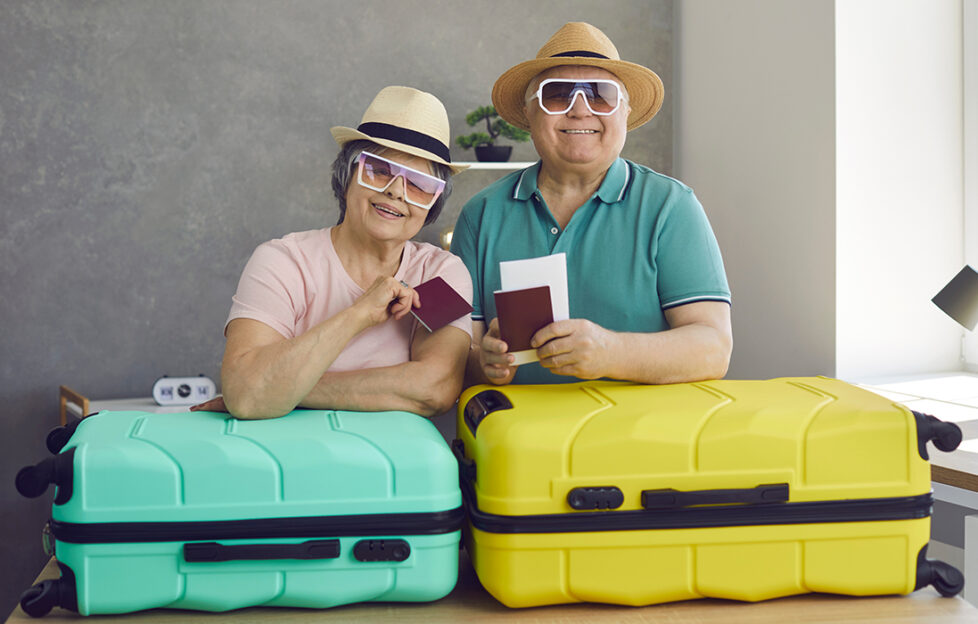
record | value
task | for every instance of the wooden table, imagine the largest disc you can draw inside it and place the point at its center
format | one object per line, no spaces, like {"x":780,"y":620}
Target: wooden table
{"x":469,"y":603}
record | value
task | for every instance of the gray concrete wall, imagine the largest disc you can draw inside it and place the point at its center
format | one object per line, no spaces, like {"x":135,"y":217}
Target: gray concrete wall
{"x":755,"y":136}
{"x":147,"y":147}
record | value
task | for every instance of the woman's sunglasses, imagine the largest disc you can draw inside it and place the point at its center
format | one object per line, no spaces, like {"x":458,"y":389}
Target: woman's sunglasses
{"x":377,"y":174}
{"x":556,"y":95}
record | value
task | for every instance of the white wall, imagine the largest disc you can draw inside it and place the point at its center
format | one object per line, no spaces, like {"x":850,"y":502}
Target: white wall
{"x":824,"y":140}
{"x":899,"y":184}
{"x":755,"y":130}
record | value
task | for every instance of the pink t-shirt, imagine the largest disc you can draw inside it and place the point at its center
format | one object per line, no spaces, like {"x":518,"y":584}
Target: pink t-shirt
{"x":295,"y":282}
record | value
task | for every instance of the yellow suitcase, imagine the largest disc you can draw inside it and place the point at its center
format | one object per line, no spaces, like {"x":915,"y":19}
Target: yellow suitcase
{"x":747,"y":490}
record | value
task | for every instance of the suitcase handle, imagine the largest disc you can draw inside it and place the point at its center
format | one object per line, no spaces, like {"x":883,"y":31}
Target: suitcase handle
{"x":466,"y":466}
{"x":210,"y":552}
{"x":673,"y":499}
{"x":483,"y":404}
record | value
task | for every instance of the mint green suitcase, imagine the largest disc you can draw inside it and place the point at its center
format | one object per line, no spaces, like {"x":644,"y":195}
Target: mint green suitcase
{"x":203,"y":511}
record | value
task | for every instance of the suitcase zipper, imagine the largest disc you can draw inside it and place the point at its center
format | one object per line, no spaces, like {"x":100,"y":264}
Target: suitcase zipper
{"x":853,"y":510}
{"x":431,"y":523}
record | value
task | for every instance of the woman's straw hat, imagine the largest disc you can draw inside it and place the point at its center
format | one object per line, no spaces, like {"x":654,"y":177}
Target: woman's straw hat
{"x":579,"y":43}
{"x":408,"y":120}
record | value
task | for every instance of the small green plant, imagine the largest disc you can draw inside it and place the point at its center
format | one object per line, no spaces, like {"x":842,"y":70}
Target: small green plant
{"x":495,"y":128}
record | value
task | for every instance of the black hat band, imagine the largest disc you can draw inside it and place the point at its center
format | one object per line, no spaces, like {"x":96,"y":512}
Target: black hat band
{"x":582,"y":53}
{"x":414,"y":138}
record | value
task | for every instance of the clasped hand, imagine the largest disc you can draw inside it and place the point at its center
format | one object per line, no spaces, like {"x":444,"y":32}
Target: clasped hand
{"x":575,"y":347}
{"x":387,"y":298}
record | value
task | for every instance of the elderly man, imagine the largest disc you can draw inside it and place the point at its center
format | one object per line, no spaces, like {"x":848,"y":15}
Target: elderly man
{"x":649,"y":300}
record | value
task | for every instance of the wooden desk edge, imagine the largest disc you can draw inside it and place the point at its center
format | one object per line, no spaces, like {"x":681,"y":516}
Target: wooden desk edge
{"x":470,"y":602}
{"x":954,"y":478}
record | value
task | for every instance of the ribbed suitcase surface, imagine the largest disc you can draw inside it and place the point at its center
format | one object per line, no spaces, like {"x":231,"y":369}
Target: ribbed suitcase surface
{"x":623,"y":493}
{"x":203,"y":511}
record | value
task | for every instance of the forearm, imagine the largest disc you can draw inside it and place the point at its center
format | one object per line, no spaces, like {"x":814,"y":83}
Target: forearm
{"x":270,"y":380}
{"x":416,"y":387}
{"x":692,"y":352}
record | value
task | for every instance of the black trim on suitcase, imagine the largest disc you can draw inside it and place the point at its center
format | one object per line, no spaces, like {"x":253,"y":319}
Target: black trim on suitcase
{"x":853,"y":510}
{"x":430,"y":523}
{"x":210,"y":552}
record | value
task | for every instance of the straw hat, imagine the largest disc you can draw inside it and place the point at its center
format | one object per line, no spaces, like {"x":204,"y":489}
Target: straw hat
{"x":579,"y":43}
{"x":405,"y":119}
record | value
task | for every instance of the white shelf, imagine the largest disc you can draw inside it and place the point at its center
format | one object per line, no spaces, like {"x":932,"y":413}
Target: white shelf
{"x":504,"y":166}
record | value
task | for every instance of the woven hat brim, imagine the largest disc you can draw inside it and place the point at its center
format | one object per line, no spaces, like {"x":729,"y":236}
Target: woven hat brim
{"x":645,"y":90}
{"x":343,"y":135}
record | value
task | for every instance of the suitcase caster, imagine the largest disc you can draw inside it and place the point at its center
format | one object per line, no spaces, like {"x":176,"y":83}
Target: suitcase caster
{"x":41,"y":598}
{"x":946,"y":436}
{"x":946,"y":579}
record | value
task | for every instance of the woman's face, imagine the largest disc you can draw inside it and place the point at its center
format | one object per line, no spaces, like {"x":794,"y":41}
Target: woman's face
{"x":384,"y":215}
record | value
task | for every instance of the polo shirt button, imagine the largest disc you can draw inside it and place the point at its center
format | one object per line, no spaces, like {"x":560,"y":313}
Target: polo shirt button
{"x":554,"y":231}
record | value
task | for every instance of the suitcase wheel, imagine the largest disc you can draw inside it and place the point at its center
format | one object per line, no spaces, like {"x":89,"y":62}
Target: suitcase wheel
{"x":946,"y":579}
{"x":946,"y":436}
{"x":41,"y":598}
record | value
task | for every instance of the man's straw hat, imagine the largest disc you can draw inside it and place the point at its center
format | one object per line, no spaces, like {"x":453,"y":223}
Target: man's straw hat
{"x":578,"y":43}
{"x":408,"y":120}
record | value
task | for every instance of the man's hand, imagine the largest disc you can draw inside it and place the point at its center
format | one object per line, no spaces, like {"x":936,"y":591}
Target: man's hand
{"x":494,"y":356}
{"x":576,"y":347}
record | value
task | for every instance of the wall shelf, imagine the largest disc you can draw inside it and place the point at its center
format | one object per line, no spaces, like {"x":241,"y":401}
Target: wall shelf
{"x":504,"y":166}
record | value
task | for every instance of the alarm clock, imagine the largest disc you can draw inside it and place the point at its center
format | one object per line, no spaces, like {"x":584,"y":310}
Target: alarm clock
{"x":183,"y":390}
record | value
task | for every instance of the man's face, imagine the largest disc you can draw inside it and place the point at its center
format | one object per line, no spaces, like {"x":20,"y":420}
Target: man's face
{"x":578,"y":139}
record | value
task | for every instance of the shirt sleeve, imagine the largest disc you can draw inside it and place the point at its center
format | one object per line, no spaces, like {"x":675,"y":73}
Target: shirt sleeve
{"x":464,"y":246}
{"x":269,"y":288}
{"x":688,"y":256}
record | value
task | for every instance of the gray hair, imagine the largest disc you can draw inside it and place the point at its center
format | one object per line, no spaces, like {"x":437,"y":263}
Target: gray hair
{"x":345,"y":171}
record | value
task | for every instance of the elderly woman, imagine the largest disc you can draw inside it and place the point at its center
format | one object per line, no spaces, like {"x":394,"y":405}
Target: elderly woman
{"x":321,"y":318}
{"x":648,"y":295}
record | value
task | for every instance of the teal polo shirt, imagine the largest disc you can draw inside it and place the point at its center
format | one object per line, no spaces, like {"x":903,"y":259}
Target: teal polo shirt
{"x":640,"y":245}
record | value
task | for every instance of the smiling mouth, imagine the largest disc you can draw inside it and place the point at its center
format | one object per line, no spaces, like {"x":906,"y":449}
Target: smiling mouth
{"x":579,"y":131}
{"x":386,"y":210}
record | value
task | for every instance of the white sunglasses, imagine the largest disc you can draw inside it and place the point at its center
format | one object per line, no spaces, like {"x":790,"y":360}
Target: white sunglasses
{"x":377,"y":174}
{"x":556,"y":95}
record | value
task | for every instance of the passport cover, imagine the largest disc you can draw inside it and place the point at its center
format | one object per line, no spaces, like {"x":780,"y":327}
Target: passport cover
{"x":440,"y":304}
{"x":521,"y":314}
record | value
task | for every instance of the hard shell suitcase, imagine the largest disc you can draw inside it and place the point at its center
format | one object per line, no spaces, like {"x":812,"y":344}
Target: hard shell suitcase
{"x":747,"y":490}
{"x":203,"y":511}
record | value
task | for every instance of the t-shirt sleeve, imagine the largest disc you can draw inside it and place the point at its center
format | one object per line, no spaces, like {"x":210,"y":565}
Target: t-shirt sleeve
{"x":690,"y":267}
{"x":464,"y":246}
{"x":268,"y":289}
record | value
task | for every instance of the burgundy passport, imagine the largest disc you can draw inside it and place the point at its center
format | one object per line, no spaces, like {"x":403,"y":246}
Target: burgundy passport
{"x":521,"y":314}
{"x":440,"y":304}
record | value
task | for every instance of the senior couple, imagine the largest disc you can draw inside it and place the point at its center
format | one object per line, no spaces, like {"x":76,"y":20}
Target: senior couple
{"x":321,"y":318}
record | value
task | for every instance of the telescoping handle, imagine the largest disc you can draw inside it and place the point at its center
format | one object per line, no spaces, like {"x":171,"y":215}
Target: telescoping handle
{"x":674,"y":499}
{"x":209,"y":552}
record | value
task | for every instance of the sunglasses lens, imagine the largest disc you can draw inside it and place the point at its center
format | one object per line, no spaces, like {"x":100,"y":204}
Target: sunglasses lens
{"x":376,"y":172}
{"x":420,"y":189}
{"x":558,"y":96}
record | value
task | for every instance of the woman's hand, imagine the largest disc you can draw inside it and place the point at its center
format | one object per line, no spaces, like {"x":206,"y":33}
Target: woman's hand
{"x":387,"y":298}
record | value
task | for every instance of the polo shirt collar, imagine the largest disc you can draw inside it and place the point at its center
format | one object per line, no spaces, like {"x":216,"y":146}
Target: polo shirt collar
{"x":612,"y":188}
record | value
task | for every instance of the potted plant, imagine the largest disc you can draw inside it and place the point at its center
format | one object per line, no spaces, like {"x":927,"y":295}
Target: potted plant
{"x":484,"y":142}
